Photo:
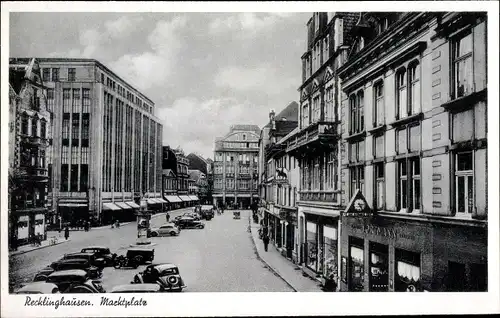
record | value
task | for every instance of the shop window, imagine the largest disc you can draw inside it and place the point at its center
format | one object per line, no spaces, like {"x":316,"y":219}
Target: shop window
{"x":312,"y":247}
{"x":462,"y":65}
{"x":356,"y":264}
{"x":379,"y":267}
{"x":330,"y":254}
{"x":464,"y":182}
{"x":407,"y":276}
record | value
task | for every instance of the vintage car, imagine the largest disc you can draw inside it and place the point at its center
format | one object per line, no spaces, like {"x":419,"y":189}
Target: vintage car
{"x":38,"y":288}
{"x":165,"y":274}
{"x":138,"y":288}
{"x":98,"y":262}
{"x":75,"y":281}
{"x":101,"y":252}
{"x":67,"y":264}
{"x":207,"y":212}
{"x":189,"y":223}
{"x":165,"y":229}
{"x":193,"y":215}
{"x":135,"y":257}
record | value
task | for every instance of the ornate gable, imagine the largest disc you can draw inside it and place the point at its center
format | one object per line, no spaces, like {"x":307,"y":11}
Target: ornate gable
{"x":304,"y":95}
{"x":328,"y":74}
{"x":315,"y":85}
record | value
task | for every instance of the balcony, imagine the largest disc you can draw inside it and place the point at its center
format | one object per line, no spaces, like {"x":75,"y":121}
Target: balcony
{"x":31,"y":140}
{"x":316,"y":135}
{"x":33,"y":173}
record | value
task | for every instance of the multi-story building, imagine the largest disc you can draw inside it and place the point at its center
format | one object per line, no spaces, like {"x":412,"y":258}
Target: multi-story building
{"x":198,"y":186}
{"x":29,"y":130}
{"x":183,"y":177}
{"x":414,"y":133}
{"x":170,"y":187}
{"x":316,"y":144}
{"x":105,"y":153}
{"x":281,"y":181}
{"x":235,"y":167}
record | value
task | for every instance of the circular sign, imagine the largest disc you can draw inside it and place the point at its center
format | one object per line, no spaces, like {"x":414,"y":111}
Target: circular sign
{"x":359,"y":205}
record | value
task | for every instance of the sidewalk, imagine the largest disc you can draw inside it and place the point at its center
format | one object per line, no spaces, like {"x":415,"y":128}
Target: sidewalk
{"x":28,"y":248}
{"x":282,"y":266}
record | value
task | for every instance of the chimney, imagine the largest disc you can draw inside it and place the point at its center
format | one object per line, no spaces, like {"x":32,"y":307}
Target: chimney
{"x":271,"y":115}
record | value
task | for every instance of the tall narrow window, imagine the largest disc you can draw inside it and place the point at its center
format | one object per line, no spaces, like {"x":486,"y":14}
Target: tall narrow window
{"x":86,"y":100}
{"x":379,"y":186}
{"x":361,"y":114}
{"x":414,"y":92}
{"x":305,"y":115}
{"x":43,"y":129}
{"x":462,"y":65}
{"x":55,"y":74}
{"x":34,"y":127}
{"x":353,"y":114}
{"x":71,"y":74}
{"x":378,"y":89}
{"x":46,"y":75}
{"x":401,"y":99}
{"x":415,"y":189}
{"x":316,"y":110}
{"x":326,"y":44}
{"x":464,"y":182}
{"x":76,"y":101}
{"x":66,"y":100}
{"x":24,"y":124}
{"x":50,"y":99}
{"x":65,"y":128}
{"x":403,"y":185}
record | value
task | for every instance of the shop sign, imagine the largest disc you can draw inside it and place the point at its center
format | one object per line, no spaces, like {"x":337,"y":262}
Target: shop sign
{"x":281,"y":176}
{"x":392,"y":233}
{"x":358,"y":207}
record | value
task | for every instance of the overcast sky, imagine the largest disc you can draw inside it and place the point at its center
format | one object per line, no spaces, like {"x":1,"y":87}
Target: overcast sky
{"x":204,"y":71}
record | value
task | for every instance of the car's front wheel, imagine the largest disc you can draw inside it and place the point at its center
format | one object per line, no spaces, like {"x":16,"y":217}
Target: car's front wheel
{"x":201,"y":226}
{"x":154,"y":234}
{"x":173,"y":233}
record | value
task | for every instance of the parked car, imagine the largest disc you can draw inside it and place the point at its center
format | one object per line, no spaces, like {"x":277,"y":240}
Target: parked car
{"x":101,"y":252}
{"x":68,"y":264}
{"x":189,"y":223}
{"x":194,"y":215}
{"x":97,"y":262}
{"x":75,"y":281}
{"x":166,"y":275}
{"x":39,"y":288}
{"x":138,"y":288}
{"x":135,"y":257}
{"x":207,"y":212}
{"x":166,"y":229}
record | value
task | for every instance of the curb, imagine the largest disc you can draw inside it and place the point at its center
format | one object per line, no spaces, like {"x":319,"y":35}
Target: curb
{"x":38,"y":248}
{"x":271,"y":268}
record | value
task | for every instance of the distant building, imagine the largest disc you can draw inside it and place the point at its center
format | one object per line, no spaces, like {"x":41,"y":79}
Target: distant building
{"x":29,"y":131}
{"x":106,"y":143}
{"x":198,"y":187}
{"x":183,"y":178}
{"x":236,"y":166}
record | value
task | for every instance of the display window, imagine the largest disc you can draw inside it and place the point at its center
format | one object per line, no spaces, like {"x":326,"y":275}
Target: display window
{"x":330,"y":268}
{"x":356,"y":264}
{"x":407,"y":278}
{"x":312,"y":246}
{"x":379,"y":267}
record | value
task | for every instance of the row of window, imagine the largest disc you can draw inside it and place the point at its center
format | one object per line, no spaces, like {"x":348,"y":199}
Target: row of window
{"x":320,"y":173}
{"x":230,"y":184}
{"x":52,"y":74}
{"x":73,"y":101}
{"x":241,"y":145}
{"x":409,"y":186}
{"x":38,"y":127}
{"x":242,"y":158}
{"x":112,"y":85}
{"x":310,"y":115}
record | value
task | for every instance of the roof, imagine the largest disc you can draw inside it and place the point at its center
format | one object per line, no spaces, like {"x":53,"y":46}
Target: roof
{"x":96,"y":247}
{"x":243,"y":127}
{"x":78,"y":253}
{"x":75,"y":272}
{"x":44,"y":287}
{"x":195,"y":174}
{"x":291,"y":112}
{"x":168,"y":172}
{"x":136,"y":288}
{"x":164,"y":266}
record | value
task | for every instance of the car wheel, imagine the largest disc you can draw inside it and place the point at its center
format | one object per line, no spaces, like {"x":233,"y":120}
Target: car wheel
{"x":173,"y":233}
{"x":200,"y":226}
{"x":154,"y":234}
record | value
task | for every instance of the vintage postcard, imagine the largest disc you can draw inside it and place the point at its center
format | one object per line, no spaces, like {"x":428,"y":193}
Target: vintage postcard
{"x":248,"y":159}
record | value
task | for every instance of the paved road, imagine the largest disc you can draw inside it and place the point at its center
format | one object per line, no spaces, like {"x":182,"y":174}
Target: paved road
{"x":219,"y":258}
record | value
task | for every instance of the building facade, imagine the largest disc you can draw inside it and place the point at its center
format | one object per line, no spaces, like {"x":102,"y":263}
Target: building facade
{"x":29,"y":131}
{"x":316,"y":144}
{"x":106,"y":153}
{"x":183,"y":177}
{"x":414,"y":142}
{"x":235,"y":167}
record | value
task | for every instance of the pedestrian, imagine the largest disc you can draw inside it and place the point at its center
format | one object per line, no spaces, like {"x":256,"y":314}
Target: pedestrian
{"x":266,"y":242}
{"x":168,"y":217}
{"x":66,"y":232}
{"x":265,"y":231}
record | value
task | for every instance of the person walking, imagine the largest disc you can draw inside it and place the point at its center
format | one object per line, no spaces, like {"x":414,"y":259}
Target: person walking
{"x":266,"y":242}
{"x":168,"y":217}
{"x":66,"y":232}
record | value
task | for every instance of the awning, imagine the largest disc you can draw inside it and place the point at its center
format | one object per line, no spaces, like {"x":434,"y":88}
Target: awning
{"x":173,"y":198}
{"x":185,"y":198}
{"x":110,"y":206}
{"x":132,"y":204}
{"x":152,"y":201}
{"x":329,"y":213}
{"x":123,"y":205}
{"x":72,"y":205}
{"x":160,"y":200}
{"x":191,"y":198}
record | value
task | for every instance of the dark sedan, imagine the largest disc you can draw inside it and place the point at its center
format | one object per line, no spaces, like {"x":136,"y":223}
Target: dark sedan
{"x":189,"y":223}
{"x":91,"y":257}
{"x":166,"y":275}
{"x":68,"y":264}
{"x":75,"y":281}
{"x":101,"y":253}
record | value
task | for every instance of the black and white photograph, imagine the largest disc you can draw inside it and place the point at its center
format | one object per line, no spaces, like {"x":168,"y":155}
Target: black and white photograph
{"x":226,"y":156}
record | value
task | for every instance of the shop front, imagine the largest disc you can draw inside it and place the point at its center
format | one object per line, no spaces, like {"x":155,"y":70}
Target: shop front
{"x":381,"y":254}
{"x":72,"y":212}
{"x":321,"y":246}
{"x":286,"y":232}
